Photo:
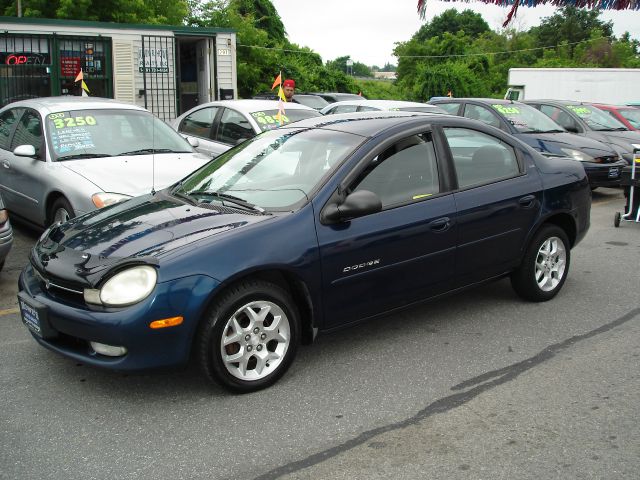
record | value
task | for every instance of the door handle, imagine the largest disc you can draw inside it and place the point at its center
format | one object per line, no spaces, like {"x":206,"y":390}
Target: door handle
{"x":441,"y":224}
{"x":528,"y":201}
{"x":6,"y":164}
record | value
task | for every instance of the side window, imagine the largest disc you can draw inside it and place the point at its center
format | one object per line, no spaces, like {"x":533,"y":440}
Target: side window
{"x":406,"y":172}
{"x":480,"y":158}
{"x":451,"y":108}
{"x":233,"y":128}
{"x":344,"y":109}
{"x":482,"y":114}
{"x":199,"y":122}
{"x":7,"y":121}
{"x":28,"y":131}
{"x":560,"y":117}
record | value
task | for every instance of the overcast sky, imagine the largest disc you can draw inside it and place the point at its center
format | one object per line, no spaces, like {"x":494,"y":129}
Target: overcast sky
{"x":367,"y":29}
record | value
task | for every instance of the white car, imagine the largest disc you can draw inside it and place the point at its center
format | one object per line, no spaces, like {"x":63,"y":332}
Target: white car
{"x":218,"y":126}
{"x":349,"y":106}
{"x":61,"y":157}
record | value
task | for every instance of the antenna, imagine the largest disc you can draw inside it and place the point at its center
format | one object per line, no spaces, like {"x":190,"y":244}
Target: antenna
{"x":153,"y":155}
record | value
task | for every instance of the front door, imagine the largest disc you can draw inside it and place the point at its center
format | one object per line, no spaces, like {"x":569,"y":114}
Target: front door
{"x":203,"y":56}
{"x":394,"y":257}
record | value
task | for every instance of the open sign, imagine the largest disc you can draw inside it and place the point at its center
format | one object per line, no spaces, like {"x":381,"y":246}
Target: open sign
{"x":27,"y":59}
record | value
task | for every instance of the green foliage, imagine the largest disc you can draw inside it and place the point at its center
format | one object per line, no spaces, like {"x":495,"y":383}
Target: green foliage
{"x":450,"y":21}
{"x":378,"y":89}
{"x":169,"y":12}
{"x":357,"y":69}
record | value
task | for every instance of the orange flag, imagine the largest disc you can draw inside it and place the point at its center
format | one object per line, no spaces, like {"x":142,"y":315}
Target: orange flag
{"x":79,"y":77}
{"x":277,"y":81}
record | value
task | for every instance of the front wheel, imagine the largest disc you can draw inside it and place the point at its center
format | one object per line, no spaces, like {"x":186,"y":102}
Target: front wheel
{"x":545,"y":265}
{"x":60,"y":211}
{"x":250,"y":336}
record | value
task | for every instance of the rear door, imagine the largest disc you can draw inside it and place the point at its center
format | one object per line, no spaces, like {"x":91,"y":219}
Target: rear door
{"x":498,"y":201}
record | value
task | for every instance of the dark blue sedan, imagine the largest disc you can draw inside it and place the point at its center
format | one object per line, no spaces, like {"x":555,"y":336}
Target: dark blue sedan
{"x":303,"y":229}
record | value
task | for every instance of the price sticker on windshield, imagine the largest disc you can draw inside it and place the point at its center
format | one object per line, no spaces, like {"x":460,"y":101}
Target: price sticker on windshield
{"x":263,"y":119}
{"x":507,"y":110}
{"x":60,"y":120}
{"x":582,"y":111}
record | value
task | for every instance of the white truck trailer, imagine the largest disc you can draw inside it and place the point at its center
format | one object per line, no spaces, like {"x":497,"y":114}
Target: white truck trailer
{"x":618,"y":86}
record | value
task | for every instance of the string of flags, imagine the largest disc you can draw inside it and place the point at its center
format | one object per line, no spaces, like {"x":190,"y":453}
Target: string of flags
{"x":514,"y":4}
{"x":281,"y":98}
{"x":80,"y":78}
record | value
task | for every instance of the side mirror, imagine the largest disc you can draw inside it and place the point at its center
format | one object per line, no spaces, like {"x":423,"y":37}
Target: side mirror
{"x":194,"y":142}
{"x":357,"y":204}
{"x":25,"y":151}
{"x":571,"y":128}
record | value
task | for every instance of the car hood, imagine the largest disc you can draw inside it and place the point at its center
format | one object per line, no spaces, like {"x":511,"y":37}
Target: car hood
{"x":140,"y":230}
{"x":136,"y":174}
{"x":622,"y":138}
{"x":555,"y":142}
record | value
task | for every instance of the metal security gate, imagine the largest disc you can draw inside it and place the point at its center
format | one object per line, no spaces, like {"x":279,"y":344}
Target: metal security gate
{"x":92,"y":55}
{"x":25,"y":67}
{"x":156,"y":62}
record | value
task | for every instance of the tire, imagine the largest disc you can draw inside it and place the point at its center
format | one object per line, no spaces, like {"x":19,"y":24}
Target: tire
{"x":616,"y":219}
{"x":60,"y":211}
{"x":545,"y":265}
{"x":231,"y":331}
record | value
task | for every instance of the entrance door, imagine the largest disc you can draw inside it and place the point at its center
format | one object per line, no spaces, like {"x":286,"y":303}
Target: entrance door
{"x":204,"y":51}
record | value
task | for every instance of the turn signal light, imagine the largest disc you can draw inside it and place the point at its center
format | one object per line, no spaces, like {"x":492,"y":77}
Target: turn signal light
{"x":166,"y":322}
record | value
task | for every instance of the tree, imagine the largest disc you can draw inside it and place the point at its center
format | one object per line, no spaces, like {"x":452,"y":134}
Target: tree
{"x":170,"y":12}
{"x":570,"y":25}
{"x":450,"y":21}
{"x":357,"y":69}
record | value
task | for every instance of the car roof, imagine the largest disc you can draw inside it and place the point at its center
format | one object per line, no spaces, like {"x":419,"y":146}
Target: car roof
{"x":253,"y":105}
{"x":68,"y":102}
{"x":492,"y":101}
{"x":366,"y":124}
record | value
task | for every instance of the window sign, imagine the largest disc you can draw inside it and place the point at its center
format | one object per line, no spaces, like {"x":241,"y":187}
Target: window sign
{"x":154,"y":60}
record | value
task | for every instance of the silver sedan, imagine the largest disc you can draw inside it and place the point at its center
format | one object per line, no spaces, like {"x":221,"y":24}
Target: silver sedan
{"x":6,"y":234}
{"x":218,"y":126}
{"x":364,"y":105}
{"x":64,"y":156}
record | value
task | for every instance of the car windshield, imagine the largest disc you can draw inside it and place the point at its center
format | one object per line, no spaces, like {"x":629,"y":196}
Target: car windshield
{"x":527,"y":119}
{"x":595,"y":118}
{"x":275,"y":170}
{"x":97,"y":133}
{"x":632,"y":115}
{"x":269,"y":119}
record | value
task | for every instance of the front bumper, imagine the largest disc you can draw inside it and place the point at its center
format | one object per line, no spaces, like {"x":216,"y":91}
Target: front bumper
{"x":6,"y":240}
{"x":604,"y":174}
{"x":73,"y":325}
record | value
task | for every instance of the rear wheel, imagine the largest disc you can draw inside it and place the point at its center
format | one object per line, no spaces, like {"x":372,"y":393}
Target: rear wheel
{"x":616,"y":219}
{"x":60,"y":211}
{"x":250,"y":336}
{"x":545,"y":266}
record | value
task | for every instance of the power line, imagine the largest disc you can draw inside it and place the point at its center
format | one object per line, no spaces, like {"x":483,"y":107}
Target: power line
{"x":458,"y":55}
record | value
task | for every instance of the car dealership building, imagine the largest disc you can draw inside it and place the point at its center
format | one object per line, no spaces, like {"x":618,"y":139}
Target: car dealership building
{"x":167,"y":69}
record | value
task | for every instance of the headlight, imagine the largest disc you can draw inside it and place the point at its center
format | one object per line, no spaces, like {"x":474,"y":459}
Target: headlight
{"x":578,"y":155}
{"x":104,"y":199}
{"x":125,"y":288}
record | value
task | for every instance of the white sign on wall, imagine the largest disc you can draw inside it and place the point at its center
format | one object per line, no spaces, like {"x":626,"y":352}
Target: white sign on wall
{"x":154,"y":60}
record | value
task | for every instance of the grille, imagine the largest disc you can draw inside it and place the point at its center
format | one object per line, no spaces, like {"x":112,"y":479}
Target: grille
{"x":59,"y":289}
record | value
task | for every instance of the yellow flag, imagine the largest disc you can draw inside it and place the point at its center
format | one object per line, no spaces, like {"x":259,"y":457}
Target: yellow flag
{"x":281,"y":94}
{"x":84,"y":87}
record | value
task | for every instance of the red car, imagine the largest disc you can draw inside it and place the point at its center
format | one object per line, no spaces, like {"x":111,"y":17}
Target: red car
{"x":629,"y":116}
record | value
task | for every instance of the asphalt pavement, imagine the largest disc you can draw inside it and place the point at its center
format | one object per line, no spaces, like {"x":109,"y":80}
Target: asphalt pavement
{"x":478,"y":386}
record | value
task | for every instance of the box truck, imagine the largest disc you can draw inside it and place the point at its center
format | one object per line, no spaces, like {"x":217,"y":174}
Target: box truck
{"x":618,"y":86}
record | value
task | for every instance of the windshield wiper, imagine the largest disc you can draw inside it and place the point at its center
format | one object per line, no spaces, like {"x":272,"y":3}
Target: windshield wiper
{"x":554,"y":131}
{"x":83,"y":155}
{"x":616,"y":129}
{"x":231,"y":199}
{"x":143,"y":151}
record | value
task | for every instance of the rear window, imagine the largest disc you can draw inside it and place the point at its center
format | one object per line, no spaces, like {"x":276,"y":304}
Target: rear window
{"x":270,"y":119}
